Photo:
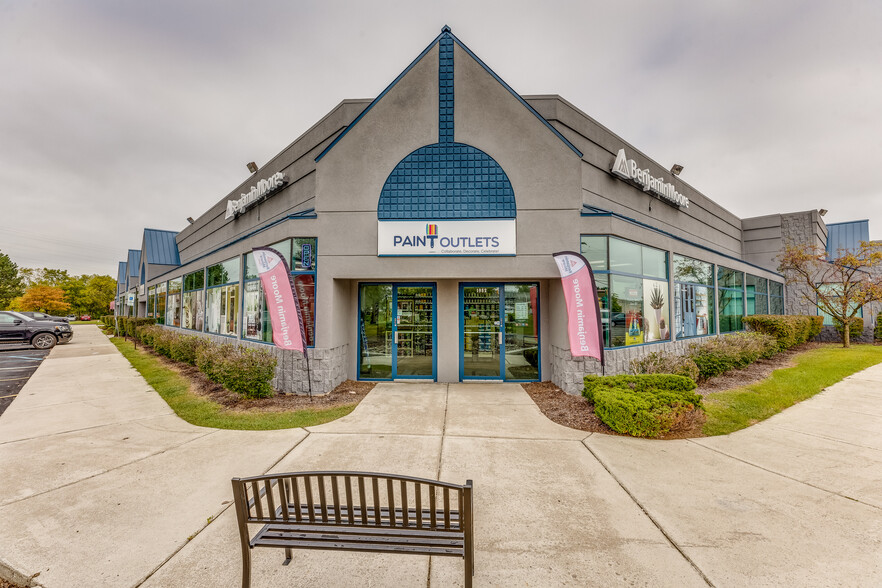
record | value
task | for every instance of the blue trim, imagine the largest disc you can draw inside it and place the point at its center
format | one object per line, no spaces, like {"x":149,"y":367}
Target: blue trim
{"x":394,"y":346}
{"x":308,"y":214}
{"x":592,"y":211}
{"x":446,"y":32}
{"x":516,"y":95}
{"x":502,"y":325}
{"x":380,"y":97}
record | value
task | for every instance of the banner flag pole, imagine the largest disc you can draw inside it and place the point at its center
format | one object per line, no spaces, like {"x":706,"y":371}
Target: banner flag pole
{"x":585,"y":325}
{"x":282,"y":302}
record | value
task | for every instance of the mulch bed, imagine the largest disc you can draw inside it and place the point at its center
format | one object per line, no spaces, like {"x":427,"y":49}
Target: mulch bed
{"x":577,"y":413}
{"x":346,"y":394}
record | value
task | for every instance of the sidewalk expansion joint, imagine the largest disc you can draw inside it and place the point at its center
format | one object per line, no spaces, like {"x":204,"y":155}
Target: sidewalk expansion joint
{"x":213,"y":517}
{"x":147,"y":418}
{"x":776,"y":473}
{"x":828,"y":438}
{"x":95,"y":475}
{"x":658,"y":526}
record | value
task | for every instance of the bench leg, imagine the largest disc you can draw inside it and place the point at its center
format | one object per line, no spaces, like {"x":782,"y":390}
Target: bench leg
{"x":469,"y":569}
{"x":246,"y":568}
{"x":287,"y":556}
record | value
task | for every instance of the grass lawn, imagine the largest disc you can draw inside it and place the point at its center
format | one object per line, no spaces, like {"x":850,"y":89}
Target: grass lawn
{"x":815,"y":370}
{"x":93,"y":322}
{"x":175,"y":390}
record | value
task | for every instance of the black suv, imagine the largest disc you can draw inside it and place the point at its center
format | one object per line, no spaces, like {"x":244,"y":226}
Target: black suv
{"x":18,"y":329}
{"x":42,"y":316}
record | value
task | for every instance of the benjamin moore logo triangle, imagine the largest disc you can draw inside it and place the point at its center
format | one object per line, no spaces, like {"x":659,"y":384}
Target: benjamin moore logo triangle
{"x":621,"y":167}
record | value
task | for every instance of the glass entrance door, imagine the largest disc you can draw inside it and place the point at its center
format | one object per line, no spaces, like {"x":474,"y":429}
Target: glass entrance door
{"x":396,"y":331}
{"x":414,"y":331}
{"x":500,"y":331}
{"x":482,"y":335}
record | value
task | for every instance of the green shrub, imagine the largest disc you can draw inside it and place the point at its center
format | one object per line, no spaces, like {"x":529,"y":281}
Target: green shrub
{"x":132,"y":323}
{"x":185,"y":348}
{"x":661,"y":362}
{"x":816,"y":327}
{"x":788,"y":330}
{"x":639,"y":382}
{"x":210,"y":360}
{"x":877,"y":332}
{"x":147,"y":333}
{"x":855,"y":327}
{"x":532,"y":356}
{"x":121,"y":324}
{"x":249,"y":372}
{"x":643,"y":413}
{"x":738,"y":350}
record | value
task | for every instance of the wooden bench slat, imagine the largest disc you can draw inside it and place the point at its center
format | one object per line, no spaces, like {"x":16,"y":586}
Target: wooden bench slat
{"x":270,"y":503}
{"x":391,"y":505}
{"x":376,"y":501}
{"x":256,"y":497}
{"x":307,"y":486}
{"x":418,"y":496}
{"x":363,"y":499}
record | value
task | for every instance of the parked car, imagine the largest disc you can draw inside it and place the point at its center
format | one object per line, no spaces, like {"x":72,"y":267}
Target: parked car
{"x":86,"y":317}
{"x":18,"y":329}
{"x":71,"y":317}
{"x":42,"y":316}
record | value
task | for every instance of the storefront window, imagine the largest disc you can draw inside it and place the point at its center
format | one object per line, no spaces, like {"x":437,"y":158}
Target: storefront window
{"x":300,"y":254}
{"x":830,"y":291}
{"x":222,"y":298}
{"x":693,"y":297}
{"x":757,"y":295}
{"x":594,"y":250}
{"x":173,"y":306}
{"x":731,"y":298}
{"x":776,"y":298}
{"x":283,"y":247}
{"x":634,"y":308}
{"x":160,"y":304}
{"x":192,"y":311}
{"x":151,"y":301}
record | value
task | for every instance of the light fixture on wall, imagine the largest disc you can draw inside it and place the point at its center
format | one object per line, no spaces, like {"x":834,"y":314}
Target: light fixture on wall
{"x":252,"y":167}
{"x":676,"y":169}
{"x":190,"y":220}
{"x":822,"y":211}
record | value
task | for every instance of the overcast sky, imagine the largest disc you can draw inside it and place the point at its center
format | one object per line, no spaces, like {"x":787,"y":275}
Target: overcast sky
{"x":118,"y":115}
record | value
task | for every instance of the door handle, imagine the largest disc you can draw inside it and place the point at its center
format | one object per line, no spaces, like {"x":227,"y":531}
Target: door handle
{"x":500,"y":338}
{"x":396,"y":337}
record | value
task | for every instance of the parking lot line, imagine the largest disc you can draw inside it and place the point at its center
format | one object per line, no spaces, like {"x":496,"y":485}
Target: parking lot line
{"x":14,"y":379}
{"x":18,"y":368}
{"x":10,"y":396}
{"x":24,"y":357}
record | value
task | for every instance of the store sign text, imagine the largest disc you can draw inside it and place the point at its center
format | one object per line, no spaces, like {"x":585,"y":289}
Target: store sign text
{"x":628,"y":170}
{"x":256,"y":194}
{"x":478,"y":237}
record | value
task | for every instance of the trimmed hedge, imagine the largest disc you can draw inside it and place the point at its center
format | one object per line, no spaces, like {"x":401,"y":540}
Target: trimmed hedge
{"x":636,"y":382}
{"x":241,"y":370}
{"x":729,"y":352}
{"x":788,"y":330}
{"x":132,"y":324}
{"x":641,"y":405}
{"x":877,"y":332}
{"x":661,"y":362}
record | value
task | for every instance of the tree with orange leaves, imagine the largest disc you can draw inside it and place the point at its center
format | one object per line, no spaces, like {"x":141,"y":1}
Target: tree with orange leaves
{"x":841,"y":285}
{"x":44,"y":298}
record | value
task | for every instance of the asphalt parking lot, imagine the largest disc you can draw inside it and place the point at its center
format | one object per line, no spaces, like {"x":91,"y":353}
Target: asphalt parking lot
{"x":17,"y":364}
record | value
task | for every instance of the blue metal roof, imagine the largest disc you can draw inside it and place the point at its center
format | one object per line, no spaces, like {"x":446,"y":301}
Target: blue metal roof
{"x":161,"y":248}
{"x":842,"y":237}
{"x":121,"y":273}
{"x":134,"y":263}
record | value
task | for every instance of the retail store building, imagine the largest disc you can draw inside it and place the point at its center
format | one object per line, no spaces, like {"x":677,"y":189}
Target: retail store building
{"x":420,"y":228}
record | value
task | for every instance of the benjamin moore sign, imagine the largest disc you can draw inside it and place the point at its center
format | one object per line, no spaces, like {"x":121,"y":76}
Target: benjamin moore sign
{"x":263,"y":189}
{"x":627,"y":169}
{"x":446,"y":237}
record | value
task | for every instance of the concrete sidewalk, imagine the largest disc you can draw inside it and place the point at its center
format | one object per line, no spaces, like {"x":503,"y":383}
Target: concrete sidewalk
{"x":104,"y":486}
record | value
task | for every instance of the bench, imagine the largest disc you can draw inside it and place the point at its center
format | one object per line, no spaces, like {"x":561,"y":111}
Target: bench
{"x":354,"y":511}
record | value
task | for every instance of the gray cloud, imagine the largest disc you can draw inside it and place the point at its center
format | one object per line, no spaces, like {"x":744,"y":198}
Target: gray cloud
{"x":123,"y":115}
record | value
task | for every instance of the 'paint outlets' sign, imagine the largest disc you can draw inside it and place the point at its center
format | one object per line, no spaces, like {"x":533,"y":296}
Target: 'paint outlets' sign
{"x":447,"y":237}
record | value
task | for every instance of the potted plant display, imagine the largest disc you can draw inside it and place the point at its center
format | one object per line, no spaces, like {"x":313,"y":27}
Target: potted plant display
{"x":656,"y":301}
